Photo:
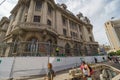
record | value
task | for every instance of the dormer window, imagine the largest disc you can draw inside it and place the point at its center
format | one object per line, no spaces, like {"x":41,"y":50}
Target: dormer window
{"x":38,"y":5}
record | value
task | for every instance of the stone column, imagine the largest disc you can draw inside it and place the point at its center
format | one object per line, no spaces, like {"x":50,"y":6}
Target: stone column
{"x":53,"y":20}
{"x":30,"y":11}
{"x":92,"y":35}
{"x":44,"y":13}
{"x":78,"y":32}
{"x":69,"y":34}
{"x":23,"y":14}
{"x":59,"y":23}
{"x":18,"y":16}
{"x":85,"y":33}
{"x":10,"y":25}
{"x":12,"y":19}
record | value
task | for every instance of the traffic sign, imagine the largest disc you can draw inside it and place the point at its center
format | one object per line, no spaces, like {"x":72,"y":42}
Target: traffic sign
{"x":58,"y":60}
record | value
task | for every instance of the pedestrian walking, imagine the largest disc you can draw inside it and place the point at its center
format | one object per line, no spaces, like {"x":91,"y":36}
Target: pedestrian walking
{"x":103,"y":59}
{"x":51,"y":73}
{"x":95,"y":60}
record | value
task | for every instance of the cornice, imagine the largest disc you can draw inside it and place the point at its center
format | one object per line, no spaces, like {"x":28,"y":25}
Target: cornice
{"x":20,"y":2}
{"x":70,"y":15}
{"x":63,"y":11}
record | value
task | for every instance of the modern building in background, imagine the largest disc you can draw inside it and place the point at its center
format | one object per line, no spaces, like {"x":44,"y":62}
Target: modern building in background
{"x":34,"y":23}
{"x":104,"y":49}
{"x":113,"y":33}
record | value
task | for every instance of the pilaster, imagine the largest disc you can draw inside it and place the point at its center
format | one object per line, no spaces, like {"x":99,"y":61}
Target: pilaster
{"x":18,"y":16}
{"x":69,"y":34}
{"x":23,"y":14}
{"x":78,"y":32}
{"x":44,"y":13}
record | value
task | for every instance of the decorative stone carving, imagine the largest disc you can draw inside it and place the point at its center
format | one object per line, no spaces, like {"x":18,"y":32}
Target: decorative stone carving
{"x":85,"y":19}
{"x":79,"y":15}
{"x":64,"y":6}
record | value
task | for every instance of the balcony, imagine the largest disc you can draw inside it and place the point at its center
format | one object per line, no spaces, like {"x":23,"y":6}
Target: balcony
{"x":92,"y":43}
{"x":25,"y":26}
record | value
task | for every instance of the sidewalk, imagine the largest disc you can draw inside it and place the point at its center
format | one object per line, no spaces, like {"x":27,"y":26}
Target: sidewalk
{"x":64,"y":75}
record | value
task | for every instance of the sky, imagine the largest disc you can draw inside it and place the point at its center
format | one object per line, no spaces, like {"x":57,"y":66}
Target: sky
{"x":98,"y":11}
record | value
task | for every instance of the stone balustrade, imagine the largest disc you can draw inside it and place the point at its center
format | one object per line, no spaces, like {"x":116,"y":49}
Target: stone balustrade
{"x":27,"y":26}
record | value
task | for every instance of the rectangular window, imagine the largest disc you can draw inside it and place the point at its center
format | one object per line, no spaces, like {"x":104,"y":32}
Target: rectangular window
{"x":65,"y":32}
{"x":49,"y":22}
{"x":36,"y":18}
{"x":64,"y":21}
{"x":73,"y":25}
{"x":38,"y":5}
{"x":49,"y":9}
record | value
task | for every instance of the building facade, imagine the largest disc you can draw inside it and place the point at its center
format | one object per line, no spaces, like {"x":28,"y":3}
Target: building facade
{"x":113,"y":33}
{"x":37,"y":22}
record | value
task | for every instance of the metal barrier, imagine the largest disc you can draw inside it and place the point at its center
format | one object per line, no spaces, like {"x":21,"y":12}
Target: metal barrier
{"x":42,"y":49}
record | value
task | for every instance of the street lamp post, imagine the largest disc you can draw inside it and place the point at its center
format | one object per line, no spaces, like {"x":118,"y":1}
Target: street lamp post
{"x":49,"y":51}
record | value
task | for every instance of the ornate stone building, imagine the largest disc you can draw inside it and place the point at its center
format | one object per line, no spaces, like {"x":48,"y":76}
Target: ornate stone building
{"x":43,"y":21}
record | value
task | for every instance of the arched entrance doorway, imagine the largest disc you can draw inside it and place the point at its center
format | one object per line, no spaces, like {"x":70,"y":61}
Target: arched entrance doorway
{"x":76,"y":50}
{"x":32,"y":46}
{"x":67,"y":50}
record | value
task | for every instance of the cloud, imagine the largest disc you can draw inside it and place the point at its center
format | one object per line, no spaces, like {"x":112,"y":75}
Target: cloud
{"x":6,"y":7}
{"x":98,"y":11}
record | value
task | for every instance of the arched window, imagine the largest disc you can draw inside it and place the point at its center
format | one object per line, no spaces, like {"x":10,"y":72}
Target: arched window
{"x":33,"y":39}
{"x":49,"y":41}
{"x":86,"y":51}
{"x":32,"y":45}
{"x":76,"y":50}
{"x":80,"y":49}
{"x":67,"y":49}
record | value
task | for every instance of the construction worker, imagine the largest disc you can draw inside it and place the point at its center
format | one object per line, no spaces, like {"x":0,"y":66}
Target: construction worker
{"x":57,"y":51}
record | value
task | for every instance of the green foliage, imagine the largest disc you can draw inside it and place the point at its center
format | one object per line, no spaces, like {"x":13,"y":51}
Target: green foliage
{"x":114,"y":53}
{"x":118,"y":52}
